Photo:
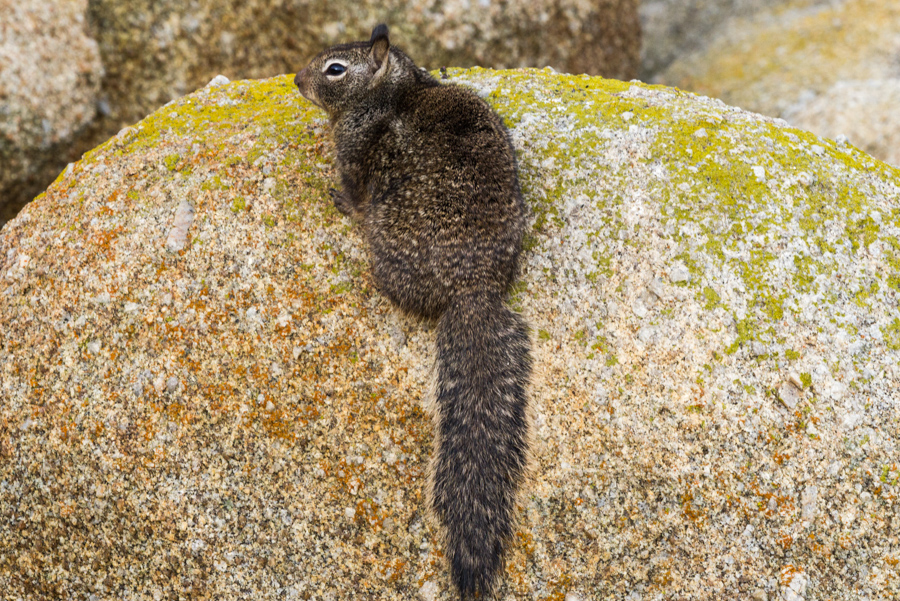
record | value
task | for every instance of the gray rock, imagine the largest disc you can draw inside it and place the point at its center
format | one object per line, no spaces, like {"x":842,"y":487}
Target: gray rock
{"x":808,"y":501}
{"x":679,"y":273}
{"x":50,"y":74}
{"x":863,"y":113}
{"x":828,"y":67}
{"x":429,"y":591}
{"x":668,"y":418}
{"x":795,"y":589}
{"x":146,"y":54}
{"x":674,"y":28}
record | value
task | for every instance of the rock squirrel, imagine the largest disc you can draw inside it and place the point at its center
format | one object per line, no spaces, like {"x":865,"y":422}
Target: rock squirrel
{"x":429,"y":173}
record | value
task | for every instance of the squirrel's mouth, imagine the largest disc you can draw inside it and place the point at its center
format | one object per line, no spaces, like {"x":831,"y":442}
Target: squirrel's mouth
{"x":302,"y":82}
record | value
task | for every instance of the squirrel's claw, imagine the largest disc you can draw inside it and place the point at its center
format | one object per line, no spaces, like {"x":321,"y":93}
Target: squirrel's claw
{"x":341,"y":202}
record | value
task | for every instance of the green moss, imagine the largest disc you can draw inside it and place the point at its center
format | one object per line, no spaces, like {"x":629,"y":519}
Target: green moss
{"x":791,"y":355}
{"x":712,"y":298}
{"x":862,"y":232}
{"x":892,"y":334}
{"x":171,"y":161}
{"x":715,"y":199}
{"x":806,"y":379}
{"x":213,"y":183}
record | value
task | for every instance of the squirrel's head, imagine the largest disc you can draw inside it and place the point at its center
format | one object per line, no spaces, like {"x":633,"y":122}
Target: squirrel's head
{"x":343,"y":76}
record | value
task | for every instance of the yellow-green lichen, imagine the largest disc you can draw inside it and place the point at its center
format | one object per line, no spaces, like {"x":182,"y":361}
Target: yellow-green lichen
{"x":892,"y":334}
{"x":238,"y":204}
{"x":171,"y":161}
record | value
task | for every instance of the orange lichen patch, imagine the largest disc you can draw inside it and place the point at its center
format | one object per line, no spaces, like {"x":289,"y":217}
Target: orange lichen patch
{"x":103,"y":239}
{"x":526,"y":541}
{"x":559,"y":586}
{"x":785,"y":540}
{"x":390,"y":570}
{"x":694,"y":512}
{"x":819,"y":549}
{"x":787,"y":573}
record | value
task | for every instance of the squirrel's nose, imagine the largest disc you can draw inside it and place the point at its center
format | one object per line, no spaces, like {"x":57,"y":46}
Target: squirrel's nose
{"x":298,"y":80}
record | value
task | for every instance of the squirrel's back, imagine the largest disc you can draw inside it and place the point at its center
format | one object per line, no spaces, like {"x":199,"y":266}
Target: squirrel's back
{"x":445,"y":216}
{"x":429,"y":172}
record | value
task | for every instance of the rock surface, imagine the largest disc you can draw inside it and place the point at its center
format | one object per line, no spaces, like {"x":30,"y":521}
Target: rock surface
{"x":50,"y":73}
{"x":865,"y":112}
{"x":675,"y":28}
{"x":153,"y":52}
{"x":713,"y":297}
{"x":801,"y":57}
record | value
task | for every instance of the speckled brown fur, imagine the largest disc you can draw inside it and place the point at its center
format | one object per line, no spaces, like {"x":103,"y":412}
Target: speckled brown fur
{"x":429,"y":173}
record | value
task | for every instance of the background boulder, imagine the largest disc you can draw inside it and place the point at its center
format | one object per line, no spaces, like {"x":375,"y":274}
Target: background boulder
{"x":205,"y":397}
{"x":864,"y":112}
{"x":816,"y":64}
{"x":673,"y":29}
{"x":154,"y":51}
{"x":50,"y":74}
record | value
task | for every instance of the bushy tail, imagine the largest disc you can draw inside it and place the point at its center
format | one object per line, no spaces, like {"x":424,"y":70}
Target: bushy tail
{"x":483,"y":367}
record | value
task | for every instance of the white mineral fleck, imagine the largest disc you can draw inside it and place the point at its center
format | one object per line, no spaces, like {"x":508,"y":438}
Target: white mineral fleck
{"x":429,"y":591}
{"x":808,"y":501}
{"x":679,"y":273}
{"x":639,"y":308}
{"x":789,"y":394}
{"x":184,"y":217}
{"x":218,"y":80}
{"x":657,"y":287}
{"x":795,"y":589}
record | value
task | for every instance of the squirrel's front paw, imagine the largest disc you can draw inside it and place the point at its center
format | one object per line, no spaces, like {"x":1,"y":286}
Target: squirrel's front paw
{"x":341,"y":202}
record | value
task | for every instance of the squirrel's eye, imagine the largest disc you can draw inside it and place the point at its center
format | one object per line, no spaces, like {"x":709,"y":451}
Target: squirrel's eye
{"x":335,"y":69}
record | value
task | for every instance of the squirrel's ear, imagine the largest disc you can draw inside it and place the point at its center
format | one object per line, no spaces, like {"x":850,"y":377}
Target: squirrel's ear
{"x":381,"y":47}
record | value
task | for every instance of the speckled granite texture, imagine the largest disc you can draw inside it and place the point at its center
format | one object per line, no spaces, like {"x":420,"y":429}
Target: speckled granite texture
{"x":50,"y":74}
{"x":828,"y":66}
{"x":205,"y":398}
{"x":674,"y":28}
{"x":141,"y":54}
